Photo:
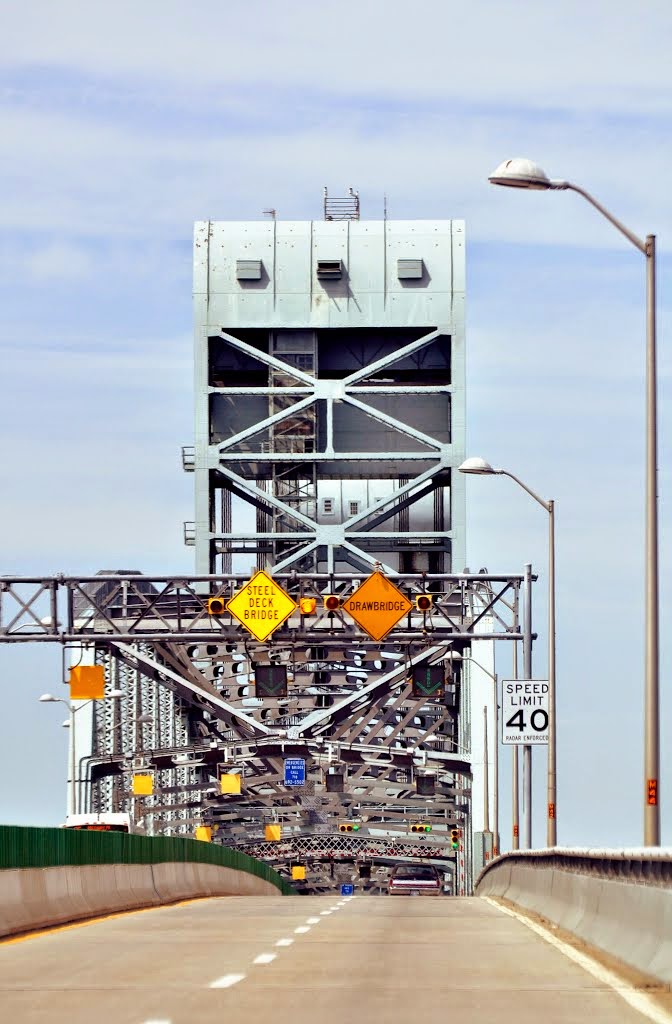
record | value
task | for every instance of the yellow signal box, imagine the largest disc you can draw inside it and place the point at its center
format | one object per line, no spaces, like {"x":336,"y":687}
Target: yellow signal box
{"x":87,"y":682}
{"x":421,"y":826}
{"x":348,"y":826}
{"x":143,"y":785}
{"x":203,"y":834}
{"x":229,"y":783}
{"x":216,"y":606}
{"x":272,"y":833}
{"x":298,"y":872}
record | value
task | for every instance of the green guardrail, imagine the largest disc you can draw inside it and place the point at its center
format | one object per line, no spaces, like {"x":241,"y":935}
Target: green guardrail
{"x":27,"y":847}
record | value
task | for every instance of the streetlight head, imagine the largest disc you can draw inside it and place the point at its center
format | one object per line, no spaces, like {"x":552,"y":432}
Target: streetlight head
{"x":477,"y":466}
{"x":144,"y":719}
{"x":115,"y":693}
{"x":48,"y":698}
{"x":520,"y":173}
{"x":66,"y":724}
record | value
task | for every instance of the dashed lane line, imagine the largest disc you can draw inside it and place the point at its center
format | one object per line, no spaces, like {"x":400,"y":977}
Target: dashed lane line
{"x":284,"y":942}
{"x":301,"y":930}
{"x":265,"y":958}
{"x":227,"y":980}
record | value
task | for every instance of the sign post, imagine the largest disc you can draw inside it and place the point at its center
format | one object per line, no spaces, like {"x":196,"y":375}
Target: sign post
{"x":525,"y":710}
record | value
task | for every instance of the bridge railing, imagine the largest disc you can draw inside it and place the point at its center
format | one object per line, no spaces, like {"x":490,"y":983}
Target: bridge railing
{"x":619,"y":901}
{"x":50,"y":876}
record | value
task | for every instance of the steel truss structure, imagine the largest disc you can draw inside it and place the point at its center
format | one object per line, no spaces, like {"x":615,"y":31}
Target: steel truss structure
{"x":329,"y":425}
{"x":153,"y":609}
{"x":349,"y":708}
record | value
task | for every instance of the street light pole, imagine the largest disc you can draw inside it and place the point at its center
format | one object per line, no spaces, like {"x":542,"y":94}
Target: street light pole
{"x":515,"y":812}
{"x":527,"y":674}
{"x":479,"y":467}
{"x":486,"y":788}
{"x":521,"y":173}
{"x":73,"y":788}
{"x":48,"y":698}
{"x":495,"y":758}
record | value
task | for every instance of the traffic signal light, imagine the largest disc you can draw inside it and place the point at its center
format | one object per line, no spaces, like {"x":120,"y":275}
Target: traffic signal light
{"x":425,"y":785}
{"x":331,"y":602}
{"x":455,"y":838}
{"x":270,"y":680}
{"x":348,"y":826}
{"x":307,"y":605}
{"x":428,"y":680}
{"x":423,"y":602}
{"x":421,"y":826}
{"x":216,"y":606}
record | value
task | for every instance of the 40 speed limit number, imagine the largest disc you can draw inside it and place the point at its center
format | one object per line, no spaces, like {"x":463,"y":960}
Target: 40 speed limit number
{"x":524,"y":711}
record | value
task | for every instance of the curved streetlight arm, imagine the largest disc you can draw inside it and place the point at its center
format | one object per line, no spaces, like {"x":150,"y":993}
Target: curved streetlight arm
{"x":630,"y":235}
{"x":544,"y":504}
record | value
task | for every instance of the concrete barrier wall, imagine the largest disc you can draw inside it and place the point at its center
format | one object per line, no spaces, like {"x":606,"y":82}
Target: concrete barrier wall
{"x":32,"y":898}
{"x":624,"y":916}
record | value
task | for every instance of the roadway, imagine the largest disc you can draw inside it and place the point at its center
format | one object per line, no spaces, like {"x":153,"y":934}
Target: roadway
{"x":302,"y":960}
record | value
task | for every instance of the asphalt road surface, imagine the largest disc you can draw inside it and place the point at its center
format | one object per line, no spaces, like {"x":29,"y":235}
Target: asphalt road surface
{"x":300,"y":960}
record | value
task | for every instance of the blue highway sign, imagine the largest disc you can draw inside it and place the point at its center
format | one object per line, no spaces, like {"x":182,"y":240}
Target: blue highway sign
{"x":295,"y":771}
{"x":347,"y":890}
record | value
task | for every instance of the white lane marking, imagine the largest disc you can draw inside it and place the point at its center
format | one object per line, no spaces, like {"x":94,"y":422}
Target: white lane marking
{"x":325,"y":913}
{"x":312,"y":920}
{"x":163,"y":1020}
{"x":227,"y":980}
{"x":631,"y":995}
{"x":301,"y":930}
{"x":264,"y":958}
{"x":284,"y":942}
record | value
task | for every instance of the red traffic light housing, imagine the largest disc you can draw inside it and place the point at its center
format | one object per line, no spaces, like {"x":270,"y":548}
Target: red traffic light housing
{"x":332,"y":602}
{"x":423,"y":602}
{"x":455,"y":838}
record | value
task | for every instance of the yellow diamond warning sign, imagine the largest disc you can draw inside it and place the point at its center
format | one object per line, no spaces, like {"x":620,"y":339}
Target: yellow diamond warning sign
{"x":261,"y":606}
{"x":377,"y":606}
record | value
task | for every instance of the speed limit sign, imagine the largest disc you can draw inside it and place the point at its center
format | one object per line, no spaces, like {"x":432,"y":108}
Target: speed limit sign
{"x":524,"y":711}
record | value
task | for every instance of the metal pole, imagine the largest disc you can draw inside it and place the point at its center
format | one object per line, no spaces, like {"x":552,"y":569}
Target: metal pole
{"x":495,"y":774}
{"x":527,"y":674}
{"x":515,"y":817}
{"x":73,"y":787}
{"x":651,"y":685}
{"x":486,"y":791}
{"x":551,"y":821}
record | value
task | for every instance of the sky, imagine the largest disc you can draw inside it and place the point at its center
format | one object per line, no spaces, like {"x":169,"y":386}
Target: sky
{"x":122,"y":124}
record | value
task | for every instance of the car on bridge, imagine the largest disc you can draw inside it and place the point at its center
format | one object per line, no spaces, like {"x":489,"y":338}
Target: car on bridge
{"x":414,"y":880}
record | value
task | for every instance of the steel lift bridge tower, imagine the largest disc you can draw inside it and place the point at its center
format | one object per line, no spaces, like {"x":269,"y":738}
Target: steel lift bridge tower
{"x":330,"y":412}
{"x":329,"y":416}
